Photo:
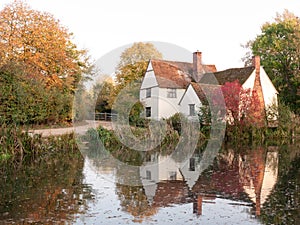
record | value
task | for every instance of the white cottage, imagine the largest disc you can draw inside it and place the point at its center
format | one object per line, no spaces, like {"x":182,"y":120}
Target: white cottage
{"x":165,"y":82}
{"x":169,"y":87}
{"x":158,"y":169}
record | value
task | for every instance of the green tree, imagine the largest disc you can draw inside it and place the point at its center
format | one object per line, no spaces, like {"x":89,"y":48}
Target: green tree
{"x":132,"y":67}
{"x":102,"y":93}
{"x":22,"y":104}
{"x":279,"y":48}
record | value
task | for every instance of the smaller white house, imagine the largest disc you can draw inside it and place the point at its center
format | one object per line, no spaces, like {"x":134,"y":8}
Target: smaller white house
{"x":193,"y":98}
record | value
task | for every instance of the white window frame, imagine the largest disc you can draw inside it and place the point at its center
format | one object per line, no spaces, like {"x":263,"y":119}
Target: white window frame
{"x":148,"y":92}
{"x":148,"y":113}
{"x":171,"y":93}
{"x":148,"y":174}
{"x":192,"y":112}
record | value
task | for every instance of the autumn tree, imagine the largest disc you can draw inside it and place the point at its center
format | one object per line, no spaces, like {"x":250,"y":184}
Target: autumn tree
{"x":129,"y":73}
{"x":241,"y":104}
{"x":37,"y":51}
{"x":102,"y":93}
{"x":279,"y":48}
{"x":133,"y":63}
{"x":29,"y":101}
{"x":138,"y":52}
{"x":37,"y":40}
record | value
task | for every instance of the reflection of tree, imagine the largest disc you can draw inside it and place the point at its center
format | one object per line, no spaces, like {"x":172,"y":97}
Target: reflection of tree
{"x":48,"y":190}
{"x":134,"y":201}
{"x":282,"y":207}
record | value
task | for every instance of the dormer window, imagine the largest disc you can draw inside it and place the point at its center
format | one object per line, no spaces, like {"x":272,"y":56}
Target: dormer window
{"x":171,"y":93}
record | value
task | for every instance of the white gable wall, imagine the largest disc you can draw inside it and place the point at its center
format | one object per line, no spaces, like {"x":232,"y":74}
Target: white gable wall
{"x":190,"y":97}
{"x":168,"y":106}
{"x":150,"y":81}
{"x":149,"y":78}
{"x":269,"y":91}
{"x":249,"y":83}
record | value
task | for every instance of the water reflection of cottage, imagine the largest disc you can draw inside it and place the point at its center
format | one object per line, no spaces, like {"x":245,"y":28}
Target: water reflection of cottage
{"x":241,"y":177}
{"x":259,"y":174}
{"x":160,"y":170}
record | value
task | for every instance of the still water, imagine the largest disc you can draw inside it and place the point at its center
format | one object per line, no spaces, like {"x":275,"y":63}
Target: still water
{"x":258,"y":185}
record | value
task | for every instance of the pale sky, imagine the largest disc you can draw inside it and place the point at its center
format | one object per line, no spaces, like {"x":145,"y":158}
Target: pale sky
{"x":215,"y":27}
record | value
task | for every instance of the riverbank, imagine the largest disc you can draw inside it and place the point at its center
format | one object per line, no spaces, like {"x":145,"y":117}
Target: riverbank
{"x":80,"y":128}
{"x":17,"y":144}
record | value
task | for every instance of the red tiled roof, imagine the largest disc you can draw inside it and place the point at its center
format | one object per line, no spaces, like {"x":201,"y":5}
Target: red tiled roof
{"x":172,"y":74}
{"x":200,"y":93}
{"x":229,"y":75}
{"x":171,"y":192}
{"x":169,"y":75}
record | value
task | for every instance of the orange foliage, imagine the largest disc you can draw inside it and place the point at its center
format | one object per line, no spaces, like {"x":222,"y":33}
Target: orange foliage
{"x":37,"y":40}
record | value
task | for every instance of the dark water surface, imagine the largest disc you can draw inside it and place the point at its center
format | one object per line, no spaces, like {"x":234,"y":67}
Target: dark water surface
{"x":258,"y":185}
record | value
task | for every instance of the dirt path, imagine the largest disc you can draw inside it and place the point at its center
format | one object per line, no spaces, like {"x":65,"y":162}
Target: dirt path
{"x":78,"y":129}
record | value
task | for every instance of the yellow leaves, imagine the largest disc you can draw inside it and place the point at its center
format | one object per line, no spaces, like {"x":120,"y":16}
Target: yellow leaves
{"x":37,"y":40}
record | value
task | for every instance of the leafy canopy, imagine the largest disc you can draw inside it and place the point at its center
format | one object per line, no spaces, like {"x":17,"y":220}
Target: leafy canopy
{"x":138,"y":52}
{"x":132,"y":66}
{"x":279,"y":48}
{"x":37,"y":40}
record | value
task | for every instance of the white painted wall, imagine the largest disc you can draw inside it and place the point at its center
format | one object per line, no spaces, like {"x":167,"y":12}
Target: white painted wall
{"x":151,"y":102}
{"x":191,"y":177}
{"x":150,"y":185}
{"x":149,"y":78}
{"x":270,"y":92}
{"x":167,"y":166}
{"x":249,"y":83}
{"x":168,"y":106}
{"x":189,"y":97}
{"x":150,"y":81}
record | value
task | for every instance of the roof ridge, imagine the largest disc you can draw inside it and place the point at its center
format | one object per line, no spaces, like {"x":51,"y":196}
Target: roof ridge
{"x":173,"y":61}
{"x":235,"y":68}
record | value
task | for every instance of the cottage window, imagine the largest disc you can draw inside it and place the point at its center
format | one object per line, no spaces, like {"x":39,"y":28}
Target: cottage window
{"x":148,"y":92}
{"x":192,"y":109}
{"x":148,"y":111}
{"x":192,"y":164}
{"x":148,"y":175}
{"x":171,"y":93}
{"x":172,"y":175}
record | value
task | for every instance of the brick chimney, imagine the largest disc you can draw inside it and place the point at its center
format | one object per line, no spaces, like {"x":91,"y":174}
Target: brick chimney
{"x":197,"y":66}
{"x":256,"y":63}
{"x":260,"y":108}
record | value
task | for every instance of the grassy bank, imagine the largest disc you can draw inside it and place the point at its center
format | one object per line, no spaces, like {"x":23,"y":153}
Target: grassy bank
{"x":17,"y":144}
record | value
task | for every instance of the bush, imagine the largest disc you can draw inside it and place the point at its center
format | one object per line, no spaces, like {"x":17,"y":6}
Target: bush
{"x":29,"y":101}
{"x":175,"y":122}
